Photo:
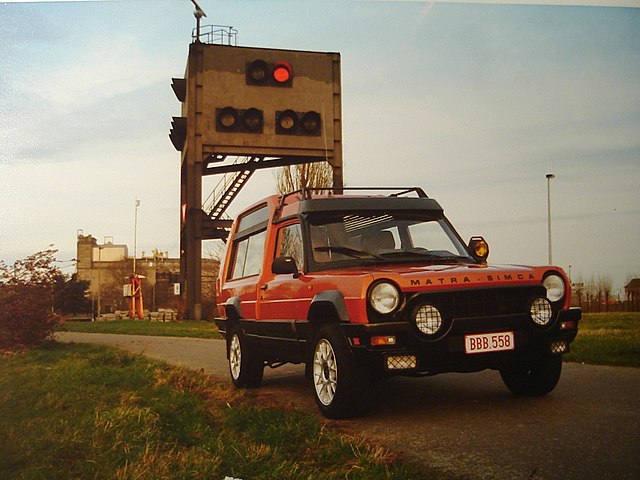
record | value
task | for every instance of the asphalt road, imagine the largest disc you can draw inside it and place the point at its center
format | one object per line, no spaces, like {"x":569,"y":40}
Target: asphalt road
{"x":466,"y":424}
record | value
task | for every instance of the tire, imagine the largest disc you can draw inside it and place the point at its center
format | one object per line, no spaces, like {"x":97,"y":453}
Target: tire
{"x":245,"y":368}
{"x":535,"y":378}
{"x":339,"y":384}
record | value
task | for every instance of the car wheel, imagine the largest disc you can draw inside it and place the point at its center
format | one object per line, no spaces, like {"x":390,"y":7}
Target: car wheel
{"x":339,"y":384}
{"x":533,"y":379}
{"x":245,"y":368}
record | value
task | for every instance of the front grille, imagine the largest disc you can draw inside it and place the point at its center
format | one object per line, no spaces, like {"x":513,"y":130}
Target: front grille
{"x":489,"y":302}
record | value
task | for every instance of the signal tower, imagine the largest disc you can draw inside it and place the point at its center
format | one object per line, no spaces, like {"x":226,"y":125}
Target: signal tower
{"x":244,"y":109}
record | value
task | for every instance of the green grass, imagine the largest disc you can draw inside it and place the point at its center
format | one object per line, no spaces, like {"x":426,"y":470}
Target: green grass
{"x":144,"y":327}
{"x":71,"y":411}
{"x":607,"y":339}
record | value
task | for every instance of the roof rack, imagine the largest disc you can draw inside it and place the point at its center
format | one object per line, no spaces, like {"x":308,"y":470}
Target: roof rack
{"x":307,"y":192}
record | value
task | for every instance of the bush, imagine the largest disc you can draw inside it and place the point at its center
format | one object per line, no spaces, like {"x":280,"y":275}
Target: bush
{"x":26,"y":300}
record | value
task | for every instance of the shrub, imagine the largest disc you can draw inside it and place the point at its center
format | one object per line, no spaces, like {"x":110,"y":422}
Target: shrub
{"x":26,"y":300}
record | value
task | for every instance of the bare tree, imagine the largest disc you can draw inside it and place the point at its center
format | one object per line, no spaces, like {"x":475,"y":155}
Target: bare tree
{"x":295,"y":177}
{"x":591,"y":290}
{"x":606,"y":284}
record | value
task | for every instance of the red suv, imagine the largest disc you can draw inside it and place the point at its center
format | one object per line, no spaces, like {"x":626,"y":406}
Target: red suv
{"x":360,"y":287}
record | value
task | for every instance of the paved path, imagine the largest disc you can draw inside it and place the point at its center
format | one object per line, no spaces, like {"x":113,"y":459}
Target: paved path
{"x":467,"y":424}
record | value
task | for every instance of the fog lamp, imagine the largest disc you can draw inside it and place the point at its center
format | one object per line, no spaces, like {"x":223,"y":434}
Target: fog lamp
{"x":559,"y":347}
{"x":401,"y":362}
{"x":428,"y":319}
{"x":540,"y":311}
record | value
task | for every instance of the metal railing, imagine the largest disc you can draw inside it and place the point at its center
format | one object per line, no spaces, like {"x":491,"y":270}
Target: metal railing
{"x":216,"y":34}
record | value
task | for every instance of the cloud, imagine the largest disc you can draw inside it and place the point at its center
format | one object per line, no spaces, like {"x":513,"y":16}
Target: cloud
{"x":106,"y":97}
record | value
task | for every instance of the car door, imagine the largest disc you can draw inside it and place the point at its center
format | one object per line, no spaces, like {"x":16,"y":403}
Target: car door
{"x":282,"y":297}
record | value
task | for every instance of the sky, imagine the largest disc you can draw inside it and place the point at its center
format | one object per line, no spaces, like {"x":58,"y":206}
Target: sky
{"x":474,"y":102}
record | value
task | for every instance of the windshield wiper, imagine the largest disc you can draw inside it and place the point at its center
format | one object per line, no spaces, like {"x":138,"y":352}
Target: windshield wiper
{"x":351,"y":252}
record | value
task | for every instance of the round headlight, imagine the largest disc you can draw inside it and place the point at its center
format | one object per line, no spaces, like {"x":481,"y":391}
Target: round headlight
{"x":428,"y":319}
{"x":555,"y":287}
{"x":541,"y":311}
{"x":384,"y":298}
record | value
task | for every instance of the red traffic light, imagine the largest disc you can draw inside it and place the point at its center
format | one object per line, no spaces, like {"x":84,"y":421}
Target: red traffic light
{"x":282,"y":72}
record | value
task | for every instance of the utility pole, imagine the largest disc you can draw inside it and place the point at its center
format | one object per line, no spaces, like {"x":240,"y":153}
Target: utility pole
{"x":99,"y":280}
{"x":549,"y":177}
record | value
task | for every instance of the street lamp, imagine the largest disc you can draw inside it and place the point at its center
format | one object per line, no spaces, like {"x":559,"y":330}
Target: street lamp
{"x":135,"y":235}
{"x":549,"y":177}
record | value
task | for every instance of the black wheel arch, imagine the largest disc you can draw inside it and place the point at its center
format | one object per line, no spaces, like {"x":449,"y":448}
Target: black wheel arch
{"x":233,"y":309}
{"x":326,"y":307}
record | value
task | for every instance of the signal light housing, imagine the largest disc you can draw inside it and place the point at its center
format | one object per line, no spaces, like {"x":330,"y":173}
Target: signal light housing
{"x":257,"y":72}
{"x":289,"y":122}
{"x":311,"y":123}
{"x":252,"y":120}
{"x":179,"y":87}
{"x":178,"y":132}
{"x":261,"y":73}
{"x":230,"y":119}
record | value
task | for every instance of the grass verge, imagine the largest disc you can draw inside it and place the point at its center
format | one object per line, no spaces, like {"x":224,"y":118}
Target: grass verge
{"x":144,"y":327}
{"x":82,"y":411}
{"x":607,"y":339}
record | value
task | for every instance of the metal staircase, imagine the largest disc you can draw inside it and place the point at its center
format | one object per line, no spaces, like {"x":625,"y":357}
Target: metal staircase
{"x":223,"y":194}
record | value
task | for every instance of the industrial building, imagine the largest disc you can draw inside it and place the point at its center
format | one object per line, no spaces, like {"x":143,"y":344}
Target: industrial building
{"x":108,"y":268}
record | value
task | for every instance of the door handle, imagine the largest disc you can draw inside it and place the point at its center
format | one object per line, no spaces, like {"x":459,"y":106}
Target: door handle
{"x":264,"y":286}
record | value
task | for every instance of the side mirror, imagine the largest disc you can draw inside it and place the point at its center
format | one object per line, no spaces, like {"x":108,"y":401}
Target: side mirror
{"x":479,"y":248}
{"x":284,"y":266}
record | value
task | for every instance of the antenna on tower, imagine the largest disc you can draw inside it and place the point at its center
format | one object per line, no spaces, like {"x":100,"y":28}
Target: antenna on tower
{"x":199,"y":13}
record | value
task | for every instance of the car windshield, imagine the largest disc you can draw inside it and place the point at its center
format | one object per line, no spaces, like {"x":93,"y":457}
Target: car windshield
{"x":382,"y":238}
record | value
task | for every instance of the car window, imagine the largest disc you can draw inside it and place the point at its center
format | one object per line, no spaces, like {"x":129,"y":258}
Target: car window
{"x":382,"y":237}
{"x":290,"y":243}
{"x":248,"y":255}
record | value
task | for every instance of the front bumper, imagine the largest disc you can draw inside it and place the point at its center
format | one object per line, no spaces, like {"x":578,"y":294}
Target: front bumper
{"x":415,"y":354}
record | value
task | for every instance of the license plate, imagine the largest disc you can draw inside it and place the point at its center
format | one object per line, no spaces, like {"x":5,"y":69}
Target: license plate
{"x":489,"y":342}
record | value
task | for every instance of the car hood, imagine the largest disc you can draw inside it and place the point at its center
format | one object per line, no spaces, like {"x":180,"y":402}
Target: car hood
{"x":420,"y":277}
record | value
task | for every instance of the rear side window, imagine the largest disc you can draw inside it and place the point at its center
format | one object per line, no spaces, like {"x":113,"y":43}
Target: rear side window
{"x":248,"y":245}
{"x":248,"y":255}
